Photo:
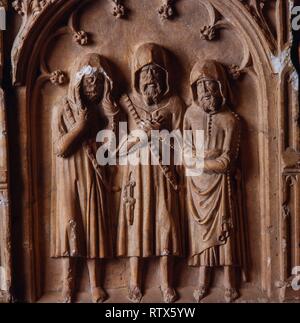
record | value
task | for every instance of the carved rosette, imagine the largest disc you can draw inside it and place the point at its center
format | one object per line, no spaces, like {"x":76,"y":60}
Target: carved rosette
{"x":58,"y":77}
{"x":166,"y":10}
{"x":80,"y":37}
{"x":118,"y":9}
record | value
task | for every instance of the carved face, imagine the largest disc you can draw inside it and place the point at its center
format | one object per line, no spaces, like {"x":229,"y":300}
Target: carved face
{"x":151,"y":83}
{"x":209,"y":96}
{"x":93,"y":87}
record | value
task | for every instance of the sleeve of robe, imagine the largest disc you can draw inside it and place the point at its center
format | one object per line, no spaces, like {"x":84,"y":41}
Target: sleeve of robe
{"x":224,"y":163}
{"x":187,"y":140}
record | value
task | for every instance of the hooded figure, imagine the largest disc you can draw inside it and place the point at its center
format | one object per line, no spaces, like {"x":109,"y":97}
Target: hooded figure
{"x":149,"y":217}
{"x":211,"y":70}
{"x":80,"y":221}
{"x":216,"y":230}
{"x":150,"y":54}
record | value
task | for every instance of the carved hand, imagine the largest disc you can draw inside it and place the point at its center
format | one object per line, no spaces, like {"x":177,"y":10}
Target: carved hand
{"x":82,"y":116}
{"x":78,"y":100}
{"x":108,"y":103}
{"x":212,"y":154}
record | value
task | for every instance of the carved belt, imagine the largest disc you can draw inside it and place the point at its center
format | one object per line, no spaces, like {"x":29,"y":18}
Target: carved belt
{"x":165,"y":169}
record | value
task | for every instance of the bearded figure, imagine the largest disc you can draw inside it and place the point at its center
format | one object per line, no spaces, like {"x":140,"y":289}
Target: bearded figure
{"x":216,"y":226}
{"x":149,"y":219}
{"x":81,"y":226}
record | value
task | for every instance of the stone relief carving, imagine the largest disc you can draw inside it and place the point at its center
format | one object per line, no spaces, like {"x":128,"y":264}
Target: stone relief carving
{"x":216,"y":232}
{"x":150,"y":106}
{"x":142,"y":107}
{"x":81,"y":224}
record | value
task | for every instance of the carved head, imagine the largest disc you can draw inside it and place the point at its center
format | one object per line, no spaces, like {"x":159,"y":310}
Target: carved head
{"x":150,"y":74}
{"x":209,"y":95}
{"x":92,"y":74}
{"x":93,"y":86}
{"x":151,"y":83}
{"x":210,"y":86}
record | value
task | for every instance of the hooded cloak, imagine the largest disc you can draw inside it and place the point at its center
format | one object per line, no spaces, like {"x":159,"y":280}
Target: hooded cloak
{"x":147,"y":54}
{"x":149,"y":222}
{"x":211,"y":70}
{"x":80,"y":225}
{"x":217,"y":236}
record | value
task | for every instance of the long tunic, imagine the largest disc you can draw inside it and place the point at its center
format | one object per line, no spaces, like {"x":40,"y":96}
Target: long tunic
{"x":80,"y":222}
{"x":211,"y":199}
{"x":149,"y":222}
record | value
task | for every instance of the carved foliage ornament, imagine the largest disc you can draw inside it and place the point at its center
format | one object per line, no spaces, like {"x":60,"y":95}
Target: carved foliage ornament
{"x":118,"y":9}
{"x":166,"y":10}
{"x":58,"y":77}
{"x":209,"y":32}
{"x":27,"y":7}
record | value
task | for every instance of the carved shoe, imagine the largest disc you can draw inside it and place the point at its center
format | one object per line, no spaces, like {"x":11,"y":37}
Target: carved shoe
{"x":231,"y":294}
{"x":200,"y":293}
{"x":67,"y":296}
{"x":98,"y":295}
{"x":134,"y":294}
{"x":169,"y":295}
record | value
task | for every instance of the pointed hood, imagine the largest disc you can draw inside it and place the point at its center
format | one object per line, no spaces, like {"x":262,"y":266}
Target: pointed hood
{"x":87,"y":65}
{"x":211,"y":70}
{"x":147,"y":54}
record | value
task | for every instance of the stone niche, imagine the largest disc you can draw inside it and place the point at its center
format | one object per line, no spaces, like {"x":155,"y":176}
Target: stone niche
{"x":251,"y":39}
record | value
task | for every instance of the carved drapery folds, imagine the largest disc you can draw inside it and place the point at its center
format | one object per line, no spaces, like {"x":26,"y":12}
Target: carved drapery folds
{"x":253,"y":50}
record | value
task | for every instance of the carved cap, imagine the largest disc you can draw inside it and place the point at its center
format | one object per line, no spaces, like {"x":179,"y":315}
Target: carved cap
{"x":211,"y":70}
{"x":86,"y":65}
{"x":146,"y":54}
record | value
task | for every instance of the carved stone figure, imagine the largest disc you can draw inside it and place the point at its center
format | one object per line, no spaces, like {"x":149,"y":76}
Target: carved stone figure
{"x":81,"y":225}
{"x":215,"y":223}
{"x":149,"y":219}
